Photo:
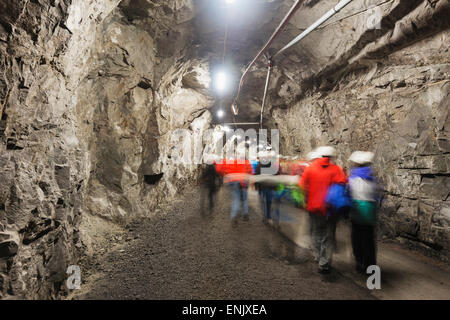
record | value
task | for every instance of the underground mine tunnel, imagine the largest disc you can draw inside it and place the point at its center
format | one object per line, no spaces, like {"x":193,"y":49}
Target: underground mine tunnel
{"x":102,"y":103}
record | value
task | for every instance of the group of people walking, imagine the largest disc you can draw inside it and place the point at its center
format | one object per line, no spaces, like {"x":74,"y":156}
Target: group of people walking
{"x":329,"y":194}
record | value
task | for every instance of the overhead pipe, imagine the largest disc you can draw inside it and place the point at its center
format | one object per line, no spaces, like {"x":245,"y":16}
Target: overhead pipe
{"x":314,"y":26}
{"x":240,"y":123}
{"x":269,"y":71}
{"x":280,"y":28}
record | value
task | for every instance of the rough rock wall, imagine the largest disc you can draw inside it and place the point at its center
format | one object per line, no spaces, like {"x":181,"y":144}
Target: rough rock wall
{"x":80,"y":107}
{"x":392,"y":97}
{"x":43,"y":46}
{"x":129,"y":116}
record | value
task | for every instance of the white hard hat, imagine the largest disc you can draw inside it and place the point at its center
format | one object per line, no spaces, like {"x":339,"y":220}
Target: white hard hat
{"x":361,"y":157}
{"x":312,"y":155}
{"x":326,"y":151}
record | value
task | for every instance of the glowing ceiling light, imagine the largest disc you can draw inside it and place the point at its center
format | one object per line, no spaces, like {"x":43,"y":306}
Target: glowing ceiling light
{"x":221,"y":81}
{"x":230,"y":1}
{"x":220,"y":113}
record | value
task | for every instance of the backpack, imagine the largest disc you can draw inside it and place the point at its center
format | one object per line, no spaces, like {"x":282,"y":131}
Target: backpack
{"x":338,"y":199}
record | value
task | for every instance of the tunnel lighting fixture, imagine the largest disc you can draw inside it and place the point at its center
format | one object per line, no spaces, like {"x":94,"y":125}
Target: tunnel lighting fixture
{"x":220,"y":113}
{"x":221,"y":81}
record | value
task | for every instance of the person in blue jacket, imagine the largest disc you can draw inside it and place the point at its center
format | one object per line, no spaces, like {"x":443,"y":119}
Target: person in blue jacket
{"x":364,"y":191}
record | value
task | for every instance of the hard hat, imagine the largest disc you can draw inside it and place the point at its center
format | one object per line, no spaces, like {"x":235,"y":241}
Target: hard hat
{"x":361,"y":157}
{"x":326,"y":151}
{"x":312,"y":155}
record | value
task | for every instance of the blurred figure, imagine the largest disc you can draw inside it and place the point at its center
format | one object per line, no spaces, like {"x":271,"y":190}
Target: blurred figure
{"x":268,"y":191}
{"x":235,"y":176}
{"x":364,"y":193}
{"x":209,"y":182}
{"x":255,"y":166}
{"x":315,"y":181}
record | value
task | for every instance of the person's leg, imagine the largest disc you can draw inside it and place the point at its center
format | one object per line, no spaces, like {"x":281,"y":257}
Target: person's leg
{"x":261,"y":200}
{"x":211,"y":193}
{"x":356,"y":245}
{"x":268,"y":194}
{"x":328,"y":243}
{"x":264,"y":204}
{"x":276,"y":206}
{"x":245,"y":202}
{"x":322,"y":238}
{"x":235,"y":199}
{"x":315,"y":235}
{"x":368,"y":247}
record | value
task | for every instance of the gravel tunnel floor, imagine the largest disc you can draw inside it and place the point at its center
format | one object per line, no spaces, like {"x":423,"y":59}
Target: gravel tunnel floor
{"x":183,"y":254}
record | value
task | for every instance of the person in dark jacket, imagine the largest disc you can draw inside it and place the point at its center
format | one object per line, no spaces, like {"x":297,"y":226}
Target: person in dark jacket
{"x":209,"y":181}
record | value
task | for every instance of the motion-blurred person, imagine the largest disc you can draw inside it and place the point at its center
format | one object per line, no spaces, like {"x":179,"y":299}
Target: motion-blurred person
{"x":315,"y":181}
{"x":235,"y":176}
{"x":209,"y":181}
{"x":268,"y":190}
{"x":255,"y":166}
{"x":364,"y":192}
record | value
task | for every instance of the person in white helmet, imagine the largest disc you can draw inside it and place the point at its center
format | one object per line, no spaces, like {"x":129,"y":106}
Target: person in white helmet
{"x":315,"y":182}
{"x":364,"y":191}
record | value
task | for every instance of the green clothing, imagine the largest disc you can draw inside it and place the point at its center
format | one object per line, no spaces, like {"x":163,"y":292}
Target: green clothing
{"x":293,"y":193}
{"x":364,"y":212}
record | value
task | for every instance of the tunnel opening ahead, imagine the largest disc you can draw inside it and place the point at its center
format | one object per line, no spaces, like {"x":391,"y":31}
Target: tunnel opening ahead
{"x":153,"y":179}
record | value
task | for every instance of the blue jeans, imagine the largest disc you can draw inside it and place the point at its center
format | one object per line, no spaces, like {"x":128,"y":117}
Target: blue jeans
{"x":238,"y":192}
{"x":277,"y":197}
{"x":267,"y":203}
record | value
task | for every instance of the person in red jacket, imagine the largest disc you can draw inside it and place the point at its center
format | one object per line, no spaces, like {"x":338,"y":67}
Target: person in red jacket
{"x":235,"y":174}
{"x":315,"y":181}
